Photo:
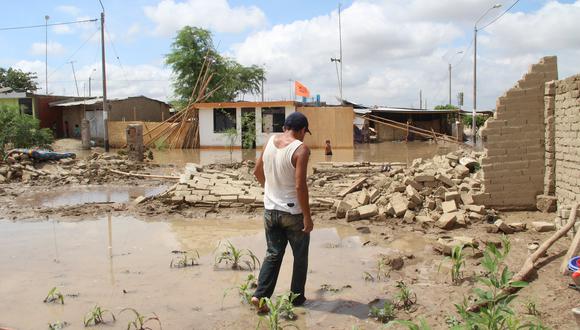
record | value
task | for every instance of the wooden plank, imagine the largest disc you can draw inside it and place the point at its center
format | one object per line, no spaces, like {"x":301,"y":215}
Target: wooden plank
{"x":352,"y":187}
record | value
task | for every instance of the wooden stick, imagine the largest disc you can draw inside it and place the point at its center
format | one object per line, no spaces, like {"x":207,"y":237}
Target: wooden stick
{"x":398,"y":123}
{"x":145,"y":175}
{"x":530,"y":263}
{"x":415,"y":131}
{"x":574,"y":247}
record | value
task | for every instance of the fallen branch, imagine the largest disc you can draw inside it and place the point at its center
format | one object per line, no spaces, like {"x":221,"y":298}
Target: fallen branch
{"x":151,"y":176}
{"x":530,"y":263}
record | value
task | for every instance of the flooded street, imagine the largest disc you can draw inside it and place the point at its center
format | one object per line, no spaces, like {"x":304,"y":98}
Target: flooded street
{"x":122,"y":262}
{"x":86,"y":195}
{"x":375,"y":152}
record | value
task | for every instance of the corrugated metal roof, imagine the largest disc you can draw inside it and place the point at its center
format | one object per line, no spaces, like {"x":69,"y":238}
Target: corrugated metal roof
{"x":73,"y":103}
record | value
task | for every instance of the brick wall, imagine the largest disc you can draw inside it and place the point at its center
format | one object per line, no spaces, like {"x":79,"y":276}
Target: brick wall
{"x":514,"y":138}
{"x":566,"y":143}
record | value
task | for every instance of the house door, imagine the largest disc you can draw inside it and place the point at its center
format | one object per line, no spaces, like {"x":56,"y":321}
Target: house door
{"x":248,"y":128}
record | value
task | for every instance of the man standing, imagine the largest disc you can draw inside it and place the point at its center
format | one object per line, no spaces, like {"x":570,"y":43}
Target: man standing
{"x":281,"y":170}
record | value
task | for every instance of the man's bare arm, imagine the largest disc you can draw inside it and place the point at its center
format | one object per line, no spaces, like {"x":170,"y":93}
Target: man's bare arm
{"x":259,"y":170}
{"x":302,"y":154}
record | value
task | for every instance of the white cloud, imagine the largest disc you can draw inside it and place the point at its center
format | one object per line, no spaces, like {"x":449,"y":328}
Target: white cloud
{"x":133,"y":31}
{"x":130,"y":80}
{"x":217,"y":15}
{"x":54,"y":48}
{"x":69,"y":9}
{"x":392,"y":49}
{"x":62,"y":29}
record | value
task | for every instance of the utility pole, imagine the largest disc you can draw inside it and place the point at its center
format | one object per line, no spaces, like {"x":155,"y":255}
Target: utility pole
{"x":420,"y":99}
{"x":105,"y":105}
{"x":449,"y":84}
{"x":75,"y":76}
{"x":90,"y":86}
{"x":46,"y":17}
{"x":340,"y":45}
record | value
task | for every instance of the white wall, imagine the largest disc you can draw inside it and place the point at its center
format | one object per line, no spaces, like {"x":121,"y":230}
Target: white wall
{"x":262,"y":138}
{"x":208,"y":138}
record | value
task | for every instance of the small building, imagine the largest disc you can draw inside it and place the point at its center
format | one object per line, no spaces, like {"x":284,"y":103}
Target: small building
{"x":438,"y":121}
{"x":37,"y":105}
{"x":138,"y":108}
{"x":255,"y":122}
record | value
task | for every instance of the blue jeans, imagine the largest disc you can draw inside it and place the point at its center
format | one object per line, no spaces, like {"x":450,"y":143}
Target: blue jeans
{"x":281,"y":228}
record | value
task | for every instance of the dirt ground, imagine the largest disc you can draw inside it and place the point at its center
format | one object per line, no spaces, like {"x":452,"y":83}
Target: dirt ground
{"x":97,"y":246}
{"x":341,"y":252}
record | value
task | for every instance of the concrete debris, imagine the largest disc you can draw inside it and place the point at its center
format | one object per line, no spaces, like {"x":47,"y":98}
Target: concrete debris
{"x":546,"y":203}
{"x":541,"y":226}
{"x":449,"y":206}
{"x":438,"y":191}
{"x":95,"y":169}
{"x":447,"y":220}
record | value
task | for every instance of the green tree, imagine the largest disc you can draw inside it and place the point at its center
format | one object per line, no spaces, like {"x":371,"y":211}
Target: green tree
{"x":445,"y":107}
{"x":18,"y":80}
{"x":21,"y":130}
{"x":188,"y":53}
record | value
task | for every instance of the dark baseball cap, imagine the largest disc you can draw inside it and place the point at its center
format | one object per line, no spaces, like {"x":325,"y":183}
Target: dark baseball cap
{"x":297,"y":121}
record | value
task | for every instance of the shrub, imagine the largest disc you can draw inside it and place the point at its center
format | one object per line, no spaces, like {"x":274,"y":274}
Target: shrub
{"x":21,"y":130}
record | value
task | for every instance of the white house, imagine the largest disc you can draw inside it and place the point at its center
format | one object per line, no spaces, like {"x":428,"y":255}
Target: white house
{"x":215,"y":118}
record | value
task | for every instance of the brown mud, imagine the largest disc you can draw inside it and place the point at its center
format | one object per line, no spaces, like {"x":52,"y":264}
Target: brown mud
{"x":98,"y":247}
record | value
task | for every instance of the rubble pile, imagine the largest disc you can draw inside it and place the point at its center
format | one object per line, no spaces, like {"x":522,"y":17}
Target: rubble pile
{"x":93,"y":170}
{"x":445,"y":191}
{"x":217,"y":185}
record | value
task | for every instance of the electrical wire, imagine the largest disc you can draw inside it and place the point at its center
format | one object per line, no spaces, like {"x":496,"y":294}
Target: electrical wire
{"x":73,"y":54}
{"x":45,"y":25}
{"x":500,"y":16}
{"x":117,"y":55}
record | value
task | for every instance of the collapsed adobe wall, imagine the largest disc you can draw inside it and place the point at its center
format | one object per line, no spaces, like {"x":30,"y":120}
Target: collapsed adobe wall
{"x":513,"y":167}
{"x":562,"y":177}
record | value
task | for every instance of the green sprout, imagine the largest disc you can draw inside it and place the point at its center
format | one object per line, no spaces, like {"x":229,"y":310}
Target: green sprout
{"x":54,"y":295}
{"x":235,"y":257}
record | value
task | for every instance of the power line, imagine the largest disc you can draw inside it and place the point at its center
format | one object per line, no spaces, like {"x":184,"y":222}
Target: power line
{"x":116,"y":54}
{"x":45,"y":25}
{"x":74,"y":53}
{"x":500,"y":16}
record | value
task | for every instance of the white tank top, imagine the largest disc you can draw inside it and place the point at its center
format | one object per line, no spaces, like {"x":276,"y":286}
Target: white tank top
{"x":280,"y":186}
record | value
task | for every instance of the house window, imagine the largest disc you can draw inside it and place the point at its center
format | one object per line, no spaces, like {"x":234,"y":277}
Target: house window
{"x":25,"y":106}
{"x":273,"y":120}
{"x":223,"y":119}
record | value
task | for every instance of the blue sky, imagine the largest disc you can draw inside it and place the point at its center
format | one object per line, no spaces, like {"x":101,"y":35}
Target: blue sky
{"x":392,"y":48}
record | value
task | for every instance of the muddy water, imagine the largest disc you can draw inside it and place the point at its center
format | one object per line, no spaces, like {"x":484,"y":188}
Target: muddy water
{"x":66,"y":196}
{"x":379,"y":152}
{"x":124,"y":262}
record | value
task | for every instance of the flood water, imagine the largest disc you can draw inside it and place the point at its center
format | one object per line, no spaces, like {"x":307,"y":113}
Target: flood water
{"x":119,"y":262}
{"x":66,"y":196}
{"x":375,"y":152}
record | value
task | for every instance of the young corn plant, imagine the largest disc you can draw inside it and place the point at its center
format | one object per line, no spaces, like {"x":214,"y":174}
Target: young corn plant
{"x":185,"y":260}
{"x":235,"y":257}
{"x":405,"y":297}
{"x":531,"y":308}
{"x":457,"y":262}
{"x":54,"y":295}
{"x":245,"y":289}
{"x":496,"y":313}
{"x":140,"y":322}
{"x":384,"y":314}
{"x":279,"y":310}
{"x":96,"y":316}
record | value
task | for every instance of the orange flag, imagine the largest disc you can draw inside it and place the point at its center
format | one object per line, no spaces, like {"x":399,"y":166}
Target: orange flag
{"x":301,"y":90}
